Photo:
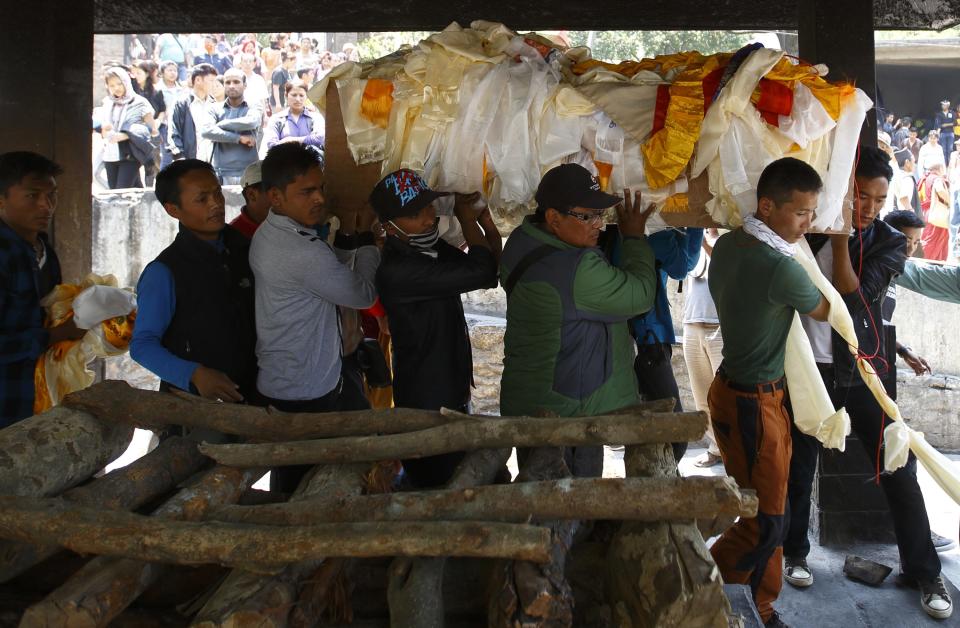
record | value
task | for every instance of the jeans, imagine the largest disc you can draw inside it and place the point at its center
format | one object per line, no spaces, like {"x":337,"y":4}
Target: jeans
{"x":918,"y":558}
{"x":656,"y":380}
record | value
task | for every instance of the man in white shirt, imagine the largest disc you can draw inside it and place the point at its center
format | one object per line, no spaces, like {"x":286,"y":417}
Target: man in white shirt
{"x":931,"y":153}
{"x":904,"y":184}
{"x":300,"y":282}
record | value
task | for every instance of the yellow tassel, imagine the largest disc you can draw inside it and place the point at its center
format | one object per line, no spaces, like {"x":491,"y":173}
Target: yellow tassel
{"x":676,"y":204}
{"x":377,"y":101}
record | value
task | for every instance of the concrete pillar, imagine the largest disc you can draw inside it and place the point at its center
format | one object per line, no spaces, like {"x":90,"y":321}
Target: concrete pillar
{"x":848,"y":506}
{"x":46,"y":107}
{"x":839,"y":33}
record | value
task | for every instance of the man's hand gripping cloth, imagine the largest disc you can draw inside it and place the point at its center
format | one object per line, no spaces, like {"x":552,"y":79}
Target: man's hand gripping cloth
{"x":813,"y":411}
{"x":899,"y":438}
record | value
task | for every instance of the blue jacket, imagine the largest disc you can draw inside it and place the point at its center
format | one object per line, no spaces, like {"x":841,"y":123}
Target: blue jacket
{"x":676,"y":252}
{"x":23,"y":337}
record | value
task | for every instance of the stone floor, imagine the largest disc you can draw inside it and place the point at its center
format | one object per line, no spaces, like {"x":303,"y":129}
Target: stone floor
{"x":834,"y":600}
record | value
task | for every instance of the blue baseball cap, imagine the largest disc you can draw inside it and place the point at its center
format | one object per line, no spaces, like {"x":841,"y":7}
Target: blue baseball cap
{"x":401,"y":194}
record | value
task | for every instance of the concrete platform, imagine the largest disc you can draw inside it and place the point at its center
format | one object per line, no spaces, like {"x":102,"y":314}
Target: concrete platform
{"x":834,"y":600}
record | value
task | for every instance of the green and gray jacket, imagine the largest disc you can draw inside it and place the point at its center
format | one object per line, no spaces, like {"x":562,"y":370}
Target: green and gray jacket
{"x":567,"y":348}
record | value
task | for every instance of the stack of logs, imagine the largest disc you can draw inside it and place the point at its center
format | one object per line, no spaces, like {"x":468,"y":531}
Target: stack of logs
{"x":180,"y":538}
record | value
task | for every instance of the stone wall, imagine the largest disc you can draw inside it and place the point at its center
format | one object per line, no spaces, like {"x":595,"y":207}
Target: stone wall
{"x":130,"y":228}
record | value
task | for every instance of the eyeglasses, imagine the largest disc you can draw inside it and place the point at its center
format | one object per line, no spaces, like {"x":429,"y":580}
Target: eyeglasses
{"x":592,"y":218}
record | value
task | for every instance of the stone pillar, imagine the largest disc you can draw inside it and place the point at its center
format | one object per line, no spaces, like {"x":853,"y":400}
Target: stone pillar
{"x":46,"y":108}
{"x":848,"y":506}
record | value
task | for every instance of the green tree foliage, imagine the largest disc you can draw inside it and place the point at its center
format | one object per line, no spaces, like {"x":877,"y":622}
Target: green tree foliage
{"x":621,"y":45}
{"x":380,"y":44}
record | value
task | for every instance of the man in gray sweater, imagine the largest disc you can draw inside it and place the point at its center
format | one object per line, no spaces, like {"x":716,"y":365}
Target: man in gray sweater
{"x":300,"y":281}
{"x":233,"y":126}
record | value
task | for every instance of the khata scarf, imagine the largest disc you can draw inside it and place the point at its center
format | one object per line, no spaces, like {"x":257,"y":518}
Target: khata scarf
{"x":759,"y":229}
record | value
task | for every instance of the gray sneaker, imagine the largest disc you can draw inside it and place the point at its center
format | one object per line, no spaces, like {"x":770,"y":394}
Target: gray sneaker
{"x":941,"y":543}
{"x":934,"y":598}
{"x":796,"y":572}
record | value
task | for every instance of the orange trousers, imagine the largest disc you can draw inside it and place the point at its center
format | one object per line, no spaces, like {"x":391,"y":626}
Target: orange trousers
{"x":752,"y":426}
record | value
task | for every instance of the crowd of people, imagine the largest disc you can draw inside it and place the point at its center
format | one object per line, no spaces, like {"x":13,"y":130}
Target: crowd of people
{"x":927,"y":177}
{"x":289,"y":308}
{"x":203,"y":97}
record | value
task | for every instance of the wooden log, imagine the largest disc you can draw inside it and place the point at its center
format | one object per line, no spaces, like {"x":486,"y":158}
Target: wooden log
{"x":51,"y":452}
{"x":267,"y":548}
{"x":252,"y":599}
{"x":640,"y":499}
{"x":661,"y":573}
{"x":117,"y":402}
{"x":415,"y":586}
{"x":127,"y":488}
{"x":105,"y":586}
{"x":470,"y":435}
{"x":528,"y":594}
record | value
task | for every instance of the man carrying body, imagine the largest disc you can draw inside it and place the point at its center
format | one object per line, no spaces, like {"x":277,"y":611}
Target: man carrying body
{"x":189,"y":115}
{"x":300,"y":282}
{"x":195,"y":327}
{"x":29,"y":270}
{"x":232,"y":126}
{"x":420,"y":281}
{"x":257,"y":202}
{"x":567,"y":347}
{"x":882,"y":251}
{"x":757,"y":286}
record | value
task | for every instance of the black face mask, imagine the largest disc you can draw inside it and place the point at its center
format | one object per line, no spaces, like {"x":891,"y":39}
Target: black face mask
{"x":423,"y":242}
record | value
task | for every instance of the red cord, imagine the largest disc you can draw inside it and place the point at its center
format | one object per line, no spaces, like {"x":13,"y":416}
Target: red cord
{"x":861,"y":356}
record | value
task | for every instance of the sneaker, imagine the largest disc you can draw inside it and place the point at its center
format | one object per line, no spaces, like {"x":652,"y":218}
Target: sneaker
{"x":708,"y":460}
{"x":935,"y":600}
{"x":775,"y":621}
{"x":942,"y":543}
{"x":796,"y":572}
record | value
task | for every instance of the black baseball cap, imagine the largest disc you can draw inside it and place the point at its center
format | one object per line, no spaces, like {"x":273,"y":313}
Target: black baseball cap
{"x":401,"y":194}
{"x":572,"y":185}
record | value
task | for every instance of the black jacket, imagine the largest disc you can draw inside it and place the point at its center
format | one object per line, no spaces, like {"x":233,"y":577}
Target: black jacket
{"x":214,"y":321}
{"x":183,"y":130}
{"x":433,"y":362}
{"x":884,"y":256}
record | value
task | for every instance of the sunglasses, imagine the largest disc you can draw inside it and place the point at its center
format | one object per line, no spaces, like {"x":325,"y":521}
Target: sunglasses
{"x":592,"y":218}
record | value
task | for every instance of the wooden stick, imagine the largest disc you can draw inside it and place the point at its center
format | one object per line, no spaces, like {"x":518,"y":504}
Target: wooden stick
{"x":117,"y":402}
{"x":415,"y":585}
{"x":640,"y":499}
{"x":471,"y":435}
{"x":93,"y":531}
{"x":106,"y":585}
{"x":144,"y":480}
{"x":248,"y":598}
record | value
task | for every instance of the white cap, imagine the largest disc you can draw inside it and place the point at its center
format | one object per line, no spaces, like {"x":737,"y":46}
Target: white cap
{"x":251,"y":176}
{"x":882,"y":137}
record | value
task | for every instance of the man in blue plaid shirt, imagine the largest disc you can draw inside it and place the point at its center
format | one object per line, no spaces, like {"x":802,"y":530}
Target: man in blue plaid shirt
{"x":29,"y":269}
